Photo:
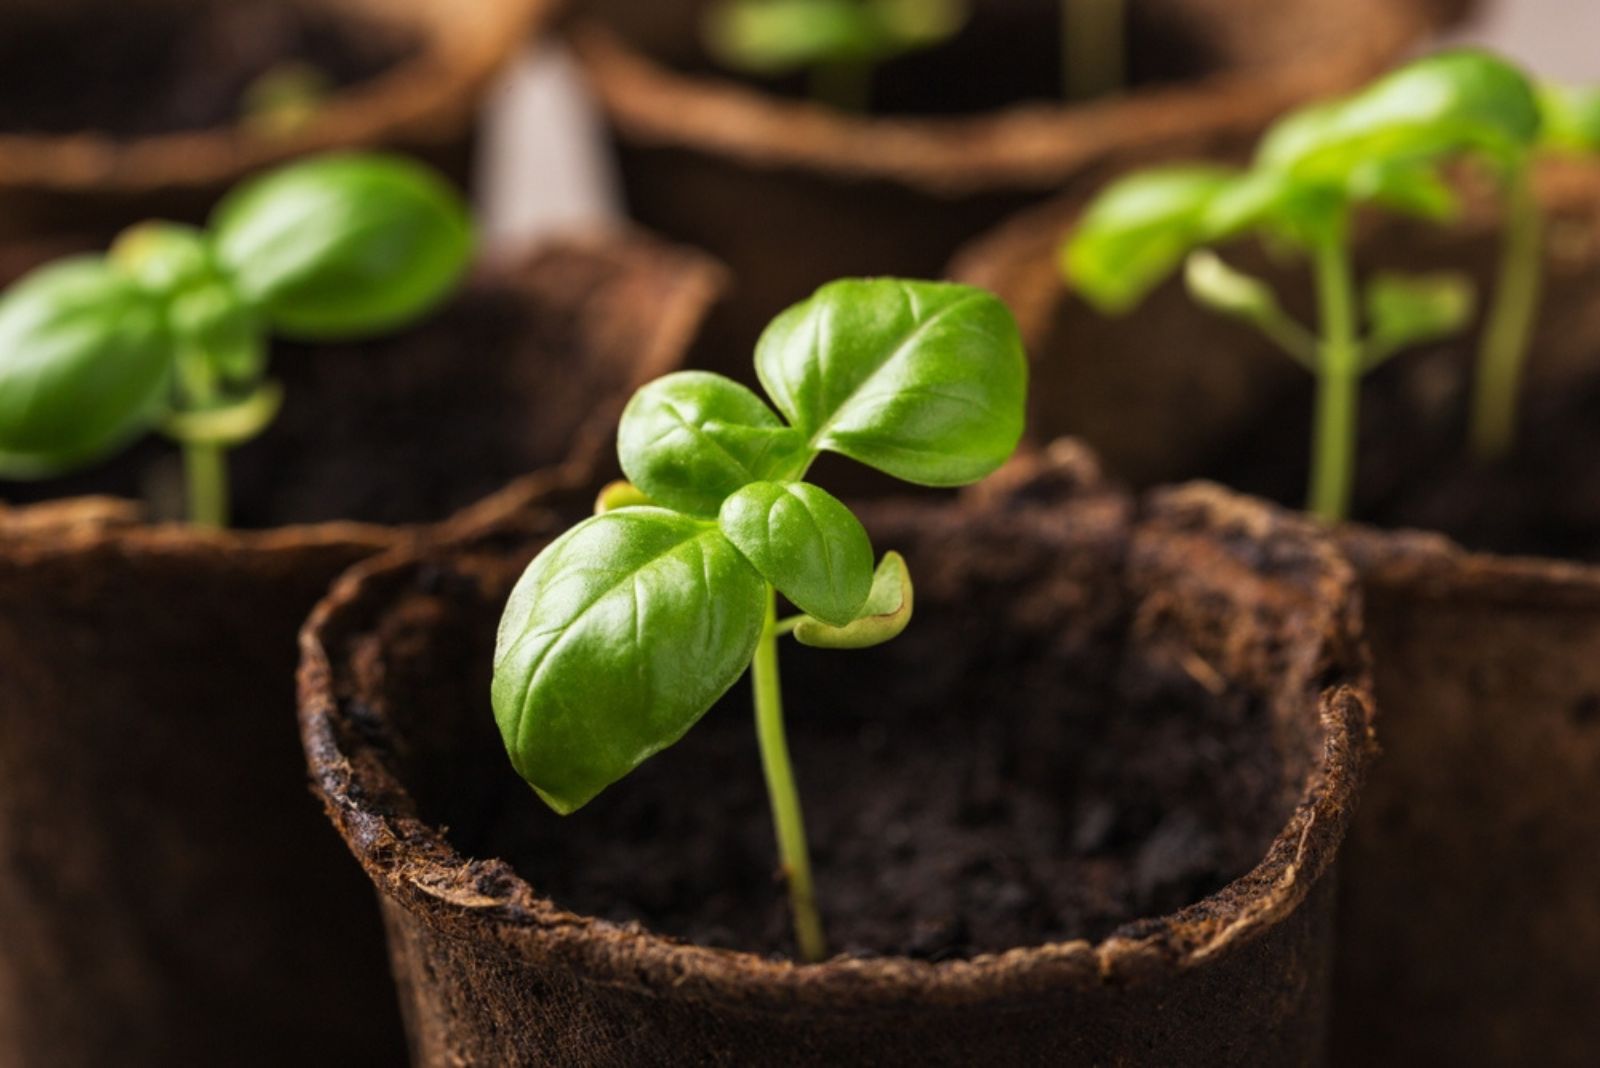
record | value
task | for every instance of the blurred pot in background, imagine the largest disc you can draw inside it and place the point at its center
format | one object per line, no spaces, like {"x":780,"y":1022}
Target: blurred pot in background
{"x":790,"y":193}
{"x":1470,"y":933}
{"x":112,"y":111}
{"x":168,"y":893}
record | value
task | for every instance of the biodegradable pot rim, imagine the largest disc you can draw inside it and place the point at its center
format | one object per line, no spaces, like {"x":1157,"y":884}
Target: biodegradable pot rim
{"x":80,"y":526}
{"x":414,"y":864}
{"x":416,"y":101}
{"x":1022,"y":146}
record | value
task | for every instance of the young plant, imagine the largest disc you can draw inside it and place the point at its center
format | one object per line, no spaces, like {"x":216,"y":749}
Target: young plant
{"x":838,"y":42}
{"x":625,"y":630}
{"x":169,"y":330}
{"x":1384,"y":146}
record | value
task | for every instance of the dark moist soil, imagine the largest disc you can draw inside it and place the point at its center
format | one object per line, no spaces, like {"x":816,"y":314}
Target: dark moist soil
{"x":1004,"y":774}
{"x":133,"y":69}
{"x":407,"y":428}
{"x":1008,"y":52}
{"x":1413,"y":470}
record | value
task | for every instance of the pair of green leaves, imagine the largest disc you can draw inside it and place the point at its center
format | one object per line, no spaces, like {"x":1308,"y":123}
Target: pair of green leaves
{"x":96,"y":350}
{"x":628,"y":628}
{"x":770,"y":37}
{"x":1382,"y":145}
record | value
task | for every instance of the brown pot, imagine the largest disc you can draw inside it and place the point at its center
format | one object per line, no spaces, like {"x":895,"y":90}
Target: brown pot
{"x":792,"y":195}
{"x":122,"y":110}
{"x":1469,"y":931}
{"x":168,"y":894}
{"x":1225,"y":629}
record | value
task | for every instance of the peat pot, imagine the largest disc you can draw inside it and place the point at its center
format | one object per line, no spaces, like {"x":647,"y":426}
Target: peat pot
{"x":114,"y":111}
{"x":1469,"y":932}
{"x":790,"y":194}
{"x":1084,"y":811}
{"x":168,"y":893}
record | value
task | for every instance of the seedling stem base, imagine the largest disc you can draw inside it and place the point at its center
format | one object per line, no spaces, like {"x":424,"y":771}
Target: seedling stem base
{"x":787,"y":819}
{"x":1510,"y":325}
{"x":1333,"y":447}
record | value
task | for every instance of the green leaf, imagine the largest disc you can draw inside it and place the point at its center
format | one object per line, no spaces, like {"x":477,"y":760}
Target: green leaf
{"x":1407,"y":188}
{"x":162,"y":257}
{"x":1571,"y":117}
{"x":803,"y":541}
{"x":691,"y":438}
{"x":882,"y":618}
{"x":1216,"y":285}
{"x":227,"y":425}
{"x":617,"y":639}
{"x":769,"y":37}
{"x":1213,"y":283}
{"x":1137,"y":231}
{"x":85,"y":365}
{"x":1463,"y":100}
{"x":925,"y":381}
{"x":1405,"y":310}
{"x":619,"y":494}
{"x":343,"y":245}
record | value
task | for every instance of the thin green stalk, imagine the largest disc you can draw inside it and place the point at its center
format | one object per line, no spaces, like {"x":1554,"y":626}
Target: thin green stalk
{"x":205,"y":469}
{"x":1504,"y":347}
{"x":1333,"y":446}
{"x":1094,"y":48}
{"x":846,"y":85}
{"x":205,"y":465}
{"x":786,"y":816}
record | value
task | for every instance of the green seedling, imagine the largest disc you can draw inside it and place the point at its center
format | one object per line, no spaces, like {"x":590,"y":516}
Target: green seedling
{"x":625,"y":630}
{"x":169,"y":330}
{"x":1384,"y":146}
{"x":840,"y":42}
{"x":285,"y":99}
{"x":837,"y":42}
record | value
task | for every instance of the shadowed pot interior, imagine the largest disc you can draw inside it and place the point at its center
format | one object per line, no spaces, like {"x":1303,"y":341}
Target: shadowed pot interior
{"x":1081,"y":811}
{"x":1489,"y":790}
{"x":113,"y":111}
{"x":790,"y":194}
{"x":168,"y":895}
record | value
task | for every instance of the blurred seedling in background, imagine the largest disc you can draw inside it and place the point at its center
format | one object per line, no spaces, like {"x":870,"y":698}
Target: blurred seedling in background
{"x":286,"y":99}
{"x":624,"y":631}
{"x":839,"y":43}
{"x":1387,"y":146}
{"x":169,"y":330}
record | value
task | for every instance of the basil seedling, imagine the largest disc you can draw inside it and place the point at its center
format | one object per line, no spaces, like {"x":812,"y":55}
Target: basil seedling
{"x":169,"y":330}
{"x":838,"y":42}
{"x":1383,"y":146}
{"x":625,"y":630}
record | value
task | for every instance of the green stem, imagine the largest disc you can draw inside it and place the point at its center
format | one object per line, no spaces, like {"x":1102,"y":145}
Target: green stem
{"x":205,"y":464}
{"x":1094,"y":48}
{"x":843,"y":85}
{"x":1504,"y":348}
{"x":1333,"y":446}
{"x":206,"y":472}
{"x":786,"y":816}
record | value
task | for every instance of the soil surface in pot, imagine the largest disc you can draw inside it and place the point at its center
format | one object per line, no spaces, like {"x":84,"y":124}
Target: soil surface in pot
{"x":1006,"y":773}
{"x":136,"y":69}
{"x":1008,"y":52}
{"x":401,"y":429}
